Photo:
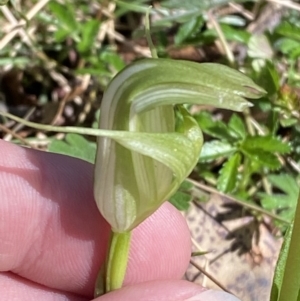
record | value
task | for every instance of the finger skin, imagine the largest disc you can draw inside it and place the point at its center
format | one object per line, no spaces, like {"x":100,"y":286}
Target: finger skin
{"x":167,"y":290}
{"x":52,"y":233}
{"x":15,"y":288}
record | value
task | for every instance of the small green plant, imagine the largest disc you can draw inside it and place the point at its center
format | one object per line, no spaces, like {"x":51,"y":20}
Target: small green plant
{"x":235,"y":144}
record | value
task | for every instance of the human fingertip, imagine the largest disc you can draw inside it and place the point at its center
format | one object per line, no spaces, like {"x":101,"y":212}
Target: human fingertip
{"x":212,"y":295}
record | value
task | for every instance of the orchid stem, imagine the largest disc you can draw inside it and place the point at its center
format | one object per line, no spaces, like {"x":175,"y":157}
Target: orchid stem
{"x":112,"y":273}
{"x":117,"y":260}
{"x":148,"y":34}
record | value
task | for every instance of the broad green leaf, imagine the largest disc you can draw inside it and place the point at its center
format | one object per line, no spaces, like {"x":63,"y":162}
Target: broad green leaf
{"x":75,"y":146}
{"x":266,"y":143}
{"x":89,"y":31}
{"x":215,"y":149}
{"x":228,"y":175}
{"x":237,"y":125}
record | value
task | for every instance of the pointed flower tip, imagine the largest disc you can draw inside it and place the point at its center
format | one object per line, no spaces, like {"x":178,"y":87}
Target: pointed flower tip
{"x":246,"y":105}
{"x":255,"y":91}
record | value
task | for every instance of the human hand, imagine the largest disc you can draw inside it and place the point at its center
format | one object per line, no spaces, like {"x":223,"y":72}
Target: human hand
{"x":53,"y":239}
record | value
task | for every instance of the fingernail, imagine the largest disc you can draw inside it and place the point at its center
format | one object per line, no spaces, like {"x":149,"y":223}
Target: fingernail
{"x":211,"y":295}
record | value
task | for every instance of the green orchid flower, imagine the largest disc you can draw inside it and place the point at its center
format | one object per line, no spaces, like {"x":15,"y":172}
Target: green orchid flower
{"x":148,"y":143}
{"x":136,"y":173}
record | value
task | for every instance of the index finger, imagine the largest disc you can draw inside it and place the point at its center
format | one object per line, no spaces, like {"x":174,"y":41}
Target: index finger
{"x":51,"y":231}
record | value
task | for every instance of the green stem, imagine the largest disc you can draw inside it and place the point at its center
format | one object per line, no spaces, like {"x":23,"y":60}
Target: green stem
{"x":291,"y":279}
{"x":148,"y":34}
{"x":112,"y":273}
{"x":117,"y":260}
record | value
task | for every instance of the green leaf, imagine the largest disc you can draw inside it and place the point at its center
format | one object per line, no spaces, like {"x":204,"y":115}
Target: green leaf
{"x":234,"y":21}
{"x":273,"y":122}
{"x":128,"y":6}
{"x":228,"y":175}
{"x":61,"y":34}
{"x":280,"y":266}
{"x":237,"y":125}
{"x":263,"y":158}
{"x":269,"y":78}
{"x":214,"y":128}
{"x":288,"y":46}
{"x":287,"y":275}
{"x":234,"y":34}
{"x":75,"y":146}
{"x":186,"y":186}
{"x":89,"y":32}
{"x":64,"y":14}
{"x":288,"y":30}
{"x":181,"y":200}
{"x":259,"y":47}
{"x":187,"y":29}
{"x":288,"y":122}
{"x":266,"y":143}
{"x":286,"y":183}
{"x":215,"y":149}
{"x":285,"y":203}
{"x":113,"y":59}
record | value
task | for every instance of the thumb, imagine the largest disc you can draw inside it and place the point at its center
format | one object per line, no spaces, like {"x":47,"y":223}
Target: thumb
{"x":166,"y":290}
